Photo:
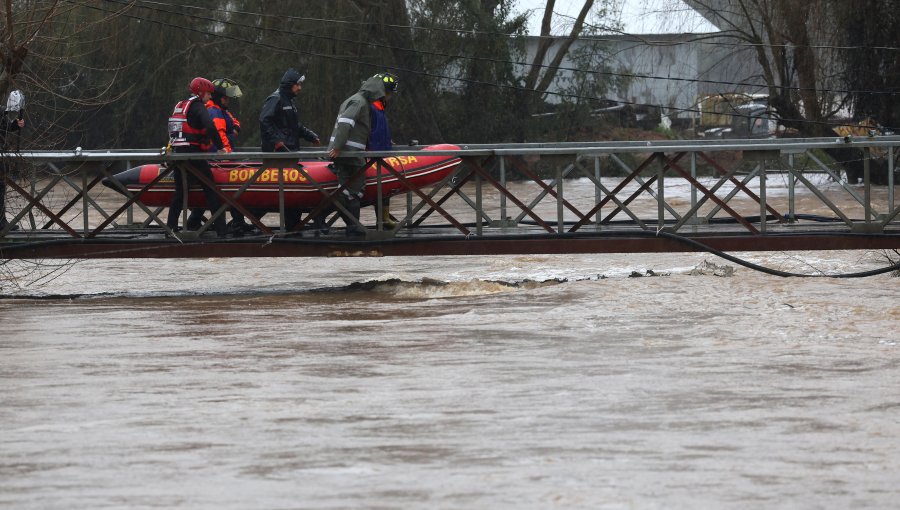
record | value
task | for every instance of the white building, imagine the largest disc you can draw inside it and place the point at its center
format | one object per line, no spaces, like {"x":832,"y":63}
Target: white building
{"x":672,"y":71}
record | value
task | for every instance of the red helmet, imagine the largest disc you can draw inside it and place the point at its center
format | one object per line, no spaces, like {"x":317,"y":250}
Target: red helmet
{"x":201,"y":85}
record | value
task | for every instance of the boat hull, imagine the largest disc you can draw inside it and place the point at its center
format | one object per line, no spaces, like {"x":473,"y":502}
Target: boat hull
{"x":419,"y":169}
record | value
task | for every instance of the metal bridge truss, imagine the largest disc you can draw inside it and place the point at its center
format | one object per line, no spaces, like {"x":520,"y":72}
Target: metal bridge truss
{"x":502,"y":199}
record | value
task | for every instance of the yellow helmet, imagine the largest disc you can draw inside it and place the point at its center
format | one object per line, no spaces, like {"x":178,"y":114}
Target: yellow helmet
{"x":390,"y":81}
{"x":227,"y":87}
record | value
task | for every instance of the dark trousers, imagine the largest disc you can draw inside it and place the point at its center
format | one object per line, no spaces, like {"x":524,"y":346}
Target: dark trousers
{"x":212,"y":200}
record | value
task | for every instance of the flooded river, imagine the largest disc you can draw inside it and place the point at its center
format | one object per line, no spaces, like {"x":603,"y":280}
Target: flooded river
{"x":444,"y":383}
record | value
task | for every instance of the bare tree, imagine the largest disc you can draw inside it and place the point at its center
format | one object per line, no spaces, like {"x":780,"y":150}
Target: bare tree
{"x":42,"y":49}
{"x":796,"y":45}
{"x":548,"y":73}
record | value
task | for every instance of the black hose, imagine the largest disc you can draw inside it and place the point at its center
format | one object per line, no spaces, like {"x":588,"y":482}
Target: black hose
{"x":696,"y":245}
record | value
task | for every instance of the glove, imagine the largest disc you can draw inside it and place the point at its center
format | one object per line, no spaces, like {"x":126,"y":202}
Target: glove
{"x":279,"y":147}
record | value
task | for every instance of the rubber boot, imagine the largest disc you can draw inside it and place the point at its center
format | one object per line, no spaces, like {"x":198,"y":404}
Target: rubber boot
{"x":386,"y":220}
{"x":352,"y":228}
{"x":221,"y":227}
{"x":320,"y":224}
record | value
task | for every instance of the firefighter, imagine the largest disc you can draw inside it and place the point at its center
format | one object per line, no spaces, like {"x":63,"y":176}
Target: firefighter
{"x":218,"y":107}
{"x":279,"y":125}
{"x":228,"y":127}
{"x":380,"y":136}
{"x":351,"y":132}
{"x":7,"y":125}
{"x":191,"y":129}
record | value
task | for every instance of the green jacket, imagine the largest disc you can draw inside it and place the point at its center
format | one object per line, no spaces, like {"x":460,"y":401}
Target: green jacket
{"x":353,"y":124}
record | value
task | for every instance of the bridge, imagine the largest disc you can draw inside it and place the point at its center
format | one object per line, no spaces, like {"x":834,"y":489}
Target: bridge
{"x":603,"y":197}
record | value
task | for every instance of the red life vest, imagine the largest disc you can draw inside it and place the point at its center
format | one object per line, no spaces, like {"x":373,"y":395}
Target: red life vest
{"x":181,"y":134}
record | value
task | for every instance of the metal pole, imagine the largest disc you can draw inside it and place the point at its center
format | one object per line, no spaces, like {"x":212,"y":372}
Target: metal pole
{"x":478,"y":205}
{"x":661,"y":197}
{"x":84,"y":201}
{"x":890,"y":178}
{"x":694,"y":177}
{"x":762,"y":197}
{"x":281,"y":222}
{"x":792,"y":206}
{"x":409,"y":203}
{"x":33,"y":193}
{"x":502,"y":183}
{"x":597,"y":194}
{"x":867,"y":183}
{"x":129,"y":214}
{"x":379,"y":221}
{"x":560,"y":214}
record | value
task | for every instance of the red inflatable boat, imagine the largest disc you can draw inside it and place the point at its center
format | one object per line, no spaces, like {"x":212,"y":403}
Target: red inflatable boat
{"x":299,"y":193}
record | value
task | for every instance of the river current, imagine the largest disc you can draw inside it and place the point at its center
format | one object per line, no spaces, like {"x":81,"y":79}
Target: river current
{"x":452,"y":382}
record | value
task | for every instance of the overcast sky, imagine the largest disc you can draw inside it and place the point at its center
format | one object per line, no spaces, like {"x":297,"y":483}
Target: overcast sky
{"x":638,"y":16}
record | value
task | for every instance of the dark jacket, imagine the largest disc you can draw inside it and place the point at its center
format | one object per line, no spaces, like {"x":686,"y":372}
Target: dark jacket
{"x":278,"y":121}
{"x":6,"y":127}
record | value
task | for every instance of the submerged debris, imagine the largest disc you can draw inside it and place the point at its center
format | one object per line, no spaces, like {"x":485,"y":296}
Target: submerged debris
{"x":893,"y":258}
{"x":648,"y":272}
{"x":707,"y":268}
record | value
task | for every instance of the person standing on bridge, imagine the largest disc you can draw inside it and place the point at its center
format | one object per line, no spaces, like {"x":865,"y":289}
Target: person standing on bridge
{"x":191,"y":129}
{"x":13,"y":106}
{"x":279,"y":125}
{"x":226,"y":123}
{"x":380,"y":136}
{"x":228,"y":128}
{"x":351,"y":132}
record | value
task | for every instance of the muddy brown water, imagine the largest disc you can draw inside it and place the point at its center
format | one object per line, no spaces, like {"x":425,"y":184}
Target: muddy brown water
{"x":452,"y":382}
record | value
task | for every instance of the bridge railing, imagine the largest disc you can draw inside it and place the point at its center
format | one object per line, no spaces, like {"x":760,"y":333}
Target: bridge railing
{"x":498,"y":189}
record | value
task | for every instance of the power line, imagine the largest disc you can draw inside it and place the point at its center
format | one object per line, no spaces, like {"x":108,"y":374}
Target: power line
{"x":634,"y":37}
{"x":412,"y":71}
{"x":499,"y":61}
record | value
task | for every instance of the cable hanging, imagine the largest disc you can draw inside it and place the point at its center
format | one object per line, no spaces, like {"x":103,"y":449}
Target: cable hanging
{"x":633,"y":37}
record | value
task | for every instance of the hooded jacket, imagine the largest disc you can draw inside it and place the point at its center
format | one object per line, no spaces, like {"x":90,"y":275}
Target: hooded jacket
{"x":278,"y":120}
{"x":353,"y":124}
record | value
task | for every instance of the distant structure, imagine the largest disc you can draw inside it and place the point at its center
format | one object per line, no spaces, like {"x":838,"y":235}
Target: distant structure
{"x":673,"y":72}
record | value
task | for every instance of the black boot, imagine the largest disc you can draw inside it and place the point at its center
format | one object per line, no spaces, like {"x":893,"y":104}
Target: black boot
{"x":320,"y":224}
{"x":221,"y":227}
{"x":195,"y":219}
{"x":353,"y":229}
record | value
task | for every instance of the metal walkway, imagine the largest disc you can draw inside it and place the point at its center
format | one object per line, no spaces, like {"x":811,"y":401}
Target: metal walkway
{"x":598,"y":198}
